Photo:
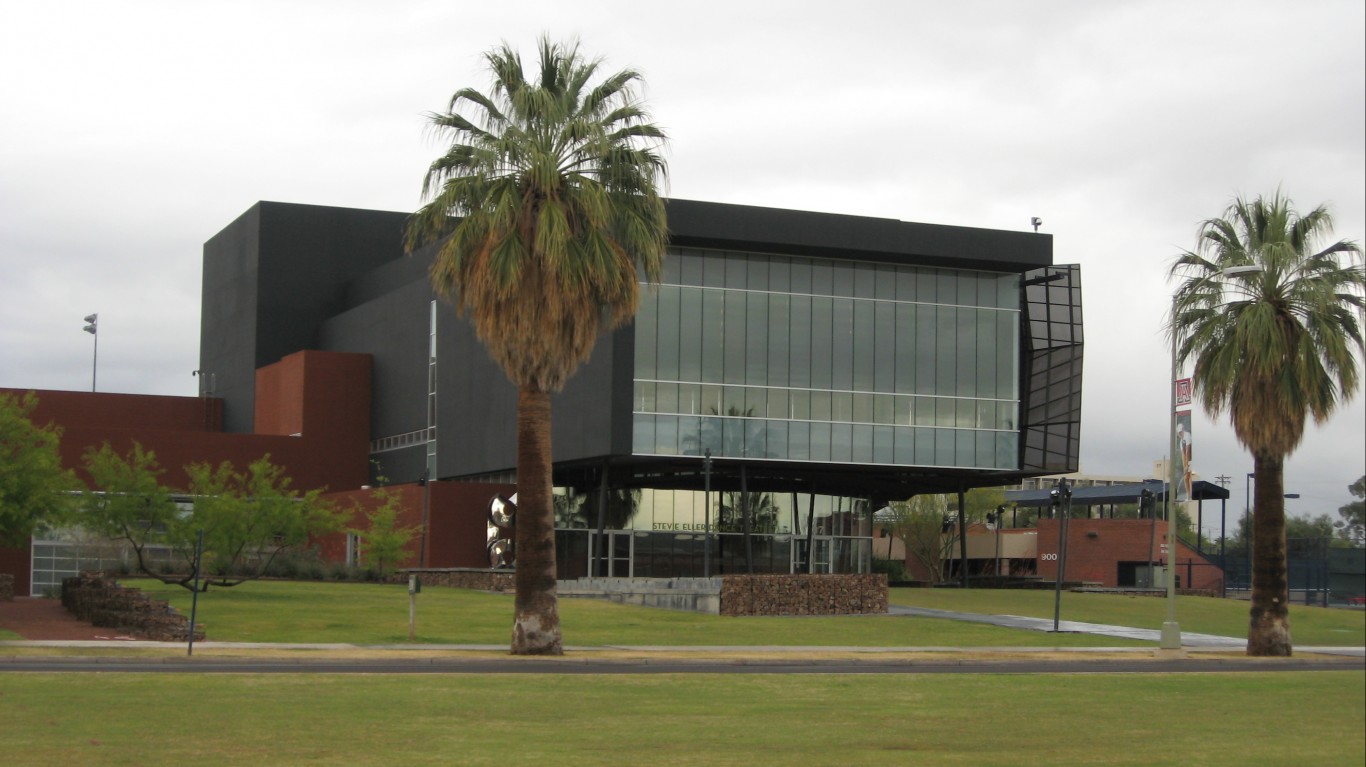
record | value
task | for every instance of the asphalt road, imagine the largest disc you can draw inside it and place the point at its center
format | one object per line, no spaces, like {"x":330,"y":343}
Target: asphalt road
{"x":672,"y":666}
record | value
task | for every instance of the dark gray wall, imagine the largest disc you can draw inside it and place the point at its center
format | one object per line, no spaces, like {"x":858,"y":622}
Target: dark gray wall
{"x":477,"y":405}
{"x":270,"y":280}
{"x":774,"y":230}
{"x":227,"y":324}
{"x":308,"y":254}
{"x":393,"y":330}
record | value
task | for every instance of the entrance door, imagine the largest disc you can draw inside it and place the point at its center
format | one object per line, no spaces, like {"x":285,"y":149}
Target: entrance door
{"x":619,"y":546}
{"x":821,"y":564}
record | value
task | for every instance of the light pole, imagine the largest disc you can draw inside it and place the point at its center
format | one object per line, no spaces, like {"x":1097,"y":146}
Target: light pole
{"x":1000,"y":522}
{"x":426,"y":482}
{"x":1061,"y":496}
{"x":1247,"y":525}
{"x":92,"y":326}
{"x":1171,"y":630}
{"x":706,"y":515}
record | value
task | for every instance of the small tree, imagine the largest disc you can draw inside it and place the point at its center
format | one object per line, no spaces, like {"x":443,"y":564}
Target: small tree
{"x":128,"y":501}
{"x":1352,"y":526}
{"x":385,"y":540}
{"x":981,"y":501}
{"x":33,"y":484}
{"x":922,"y":526}
{"x":247,"y":519}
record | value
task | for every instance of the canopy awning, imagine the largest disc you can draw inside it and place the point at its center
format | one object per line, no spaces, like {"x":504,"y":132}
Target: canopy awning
{"x":1129,"y":492}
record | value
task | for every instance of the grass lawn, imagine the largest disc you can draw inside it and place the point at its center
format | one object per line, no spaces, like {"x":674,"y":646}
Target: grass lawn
{"x":291,"y":719}
{"x":368,"y":613}
{"x":1205,"y":615}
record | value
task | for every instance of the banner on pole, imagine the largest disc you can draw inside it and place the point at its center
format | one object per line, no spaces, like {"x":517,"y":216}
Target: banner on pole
{"x":1183,"y":392}
{"x":1182,"y":457}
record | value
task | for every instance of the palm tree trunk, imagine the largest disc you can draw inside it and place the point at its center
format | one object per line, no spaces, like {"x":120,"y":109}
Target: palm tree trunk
{"x":536,"y":623}
{"x":1268,"y":632}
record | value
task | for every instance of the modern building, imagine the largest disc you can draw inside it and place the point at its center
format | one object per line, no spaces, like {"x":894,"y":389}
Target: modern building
{"x":793,"y":372}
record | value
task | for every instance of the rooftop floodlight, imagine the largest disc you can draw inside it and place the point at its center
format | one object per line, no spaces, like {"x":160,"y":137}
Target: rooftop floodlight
{"x":92,"y":326}
{"x":1035,"y":222}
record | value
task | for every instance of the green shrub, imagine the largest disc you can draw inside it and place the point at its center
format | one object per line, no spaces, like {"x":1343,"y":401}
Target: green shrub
{"x":894,"y":570}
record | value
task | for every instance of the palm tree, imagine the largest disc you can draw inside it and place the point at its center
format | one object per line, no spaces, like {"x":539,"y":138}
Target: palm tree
{"x":556,"y":179}
{"x":1278,"y":349}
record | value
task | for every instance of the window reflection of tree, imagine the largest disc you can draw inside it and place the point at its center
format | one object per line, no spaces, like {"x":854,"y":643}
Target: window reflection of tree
{"x":578,"y":509}
{"x":763,"y":513}
{"x":733,"y":442}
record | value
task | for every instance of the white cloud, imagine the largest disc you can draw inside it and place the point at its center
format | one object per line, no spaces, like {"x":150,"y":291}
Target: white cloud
{"x":135,"y":131}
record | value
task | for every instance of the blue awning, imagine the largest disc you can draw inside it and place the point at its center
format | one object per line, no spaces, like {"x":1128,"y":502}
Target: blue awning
{"x":1129,"y":492}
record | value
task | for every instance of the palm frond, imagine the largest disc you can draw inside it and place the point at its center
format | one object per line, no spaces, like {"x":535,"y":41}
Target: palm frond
{"x":556,"y":182}
{"x":1276,"y":345}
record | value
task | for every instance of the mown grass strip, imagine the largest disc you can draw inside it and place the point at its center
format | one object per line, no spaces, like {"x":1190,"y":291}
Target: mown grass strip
{"x":974,"y":719}
{"x":367,"y":613}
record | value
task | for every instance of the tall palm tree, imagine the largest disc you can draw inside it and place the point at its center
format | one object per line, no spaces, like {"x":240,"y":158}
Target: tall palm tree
{"x":555,"y":178}
{"x":1276,"y":349}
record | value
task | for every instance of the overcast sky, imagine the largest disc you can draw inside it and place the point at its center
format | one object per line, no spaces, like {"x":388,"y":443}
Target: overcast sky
{"x":133,"y":131}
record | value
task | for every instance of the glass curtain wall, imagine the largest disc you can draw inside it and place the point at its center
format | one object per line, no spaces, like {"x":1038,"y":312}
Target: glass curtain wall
{"x":767,"y":357}
{"x":799,"y":359}
{"x":662,"y":533}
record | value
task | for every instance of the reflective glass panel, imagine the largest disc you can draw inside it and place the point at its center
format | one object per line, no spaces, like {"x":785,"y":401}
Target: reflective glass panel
{"x":817,"y":346}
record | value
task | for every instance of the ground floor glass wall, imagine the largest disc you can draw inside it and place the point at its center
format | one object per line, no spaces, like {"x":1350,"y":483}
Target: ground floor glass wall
{"x":62,"y":554}
{"x":669,"y":534}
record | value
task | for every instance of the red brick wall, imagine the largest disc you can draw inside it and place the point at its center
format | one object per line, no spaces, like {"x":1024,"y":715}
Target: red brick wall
{"x":328,"y":392}
{"x":1095,"y":547}
{"x":325,"y":396}
{"x":100,"y":411}
{"x":16,"y":561}
{"x":457,"y":516}
{"x":459,"y":523}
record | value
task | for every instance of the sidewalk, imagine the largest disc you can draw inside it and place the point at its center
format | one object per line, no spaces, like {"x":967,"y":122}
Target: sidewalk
{"x":1190,"y":640}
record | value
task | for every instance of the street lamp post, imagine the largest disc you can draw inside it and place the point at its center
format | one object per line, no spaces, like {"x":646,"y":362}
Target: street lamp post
{"x":1247,"y":525}
{"x":1000,"y":522}
{"x":1062,"y":501}
{"x":1171,"y":630}
{"x":92,"y":326}
{"x":706,"y":515}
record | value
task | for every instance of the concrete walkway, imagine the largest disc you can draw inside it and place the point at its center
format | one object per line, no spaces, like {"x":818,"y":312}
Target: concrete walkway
{"x":1190,"y":640}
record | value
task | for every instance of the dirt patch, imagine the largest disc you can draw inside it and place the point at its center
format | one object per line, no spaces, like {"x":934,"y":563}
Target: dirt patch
{"x":37,"y":618}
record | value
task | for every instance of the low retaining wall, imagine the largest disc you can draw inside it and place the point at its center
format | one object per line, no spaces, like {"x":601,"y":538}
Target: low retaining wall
{"x":718,"y":595}
{"x":104,"y":603}
{"x":1137,"y":592}
{"x":804,"y":594}
{"x":461,"y":578}
{"x":702,"y":595}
